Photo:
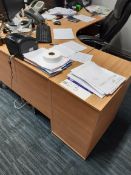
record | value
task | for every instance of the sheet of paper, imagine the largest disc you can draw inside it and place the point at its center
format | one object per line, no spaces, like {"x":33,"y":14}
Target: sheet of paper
{"x":48,"y":16}
{"x":34,"y":54}
{"x":103,"y":80}
{"x":84,"y":18}
{"x":65,"y":51}
{"x":63,"y":33}
{"x":76,"y":47}
{"x":75,"y":89}
{"x":69,"y":48}
{"x":81,"y":57}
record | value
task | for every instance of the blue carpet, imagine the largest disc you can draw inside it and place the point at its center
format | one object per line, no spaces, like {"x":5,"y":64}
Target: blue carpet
{"x":27,"y":146}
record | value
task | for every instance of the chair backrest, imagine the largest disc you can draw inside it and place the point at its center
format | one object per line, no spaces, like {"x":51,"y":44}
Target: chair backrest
{"x":113,"y":23}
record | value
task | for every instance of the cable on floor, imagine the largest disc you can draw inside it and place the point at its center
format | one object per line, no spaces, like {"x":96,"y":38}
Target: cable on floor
{"x":19,"y":106}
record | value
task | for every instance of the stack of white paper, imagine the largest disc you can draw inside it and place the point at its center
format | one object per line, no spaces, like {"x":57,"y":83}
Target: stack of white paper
{"x":84,"y":85}
{"x":61,"y":11}
{"x":84,"y":18}
{"x":96,"y":79}
{"x":36,"y":58}
{"x":97,"y":9}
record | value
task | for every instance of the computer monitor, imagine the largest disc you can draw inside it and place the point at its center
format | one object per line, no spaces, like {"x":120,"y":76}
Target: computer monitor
{"x":50,"y":3}
{"x":9,"y":8}
{"x":54,"y":3}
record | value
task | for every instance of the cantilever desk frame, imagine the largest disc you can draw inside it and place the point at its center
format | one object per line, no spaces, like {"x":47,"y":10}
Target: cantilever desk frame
{"x":80,"y":124}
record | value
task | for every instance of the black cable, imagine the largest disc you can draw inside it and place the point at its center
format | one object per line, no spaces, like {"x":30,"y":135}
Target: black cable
{"x":15,"y":101}
{"x":11,"y":68}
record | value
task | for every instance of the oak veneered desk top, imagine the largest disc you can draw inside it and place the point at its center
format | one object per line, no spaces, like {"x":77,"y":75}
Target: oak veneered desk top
{"x":103,"y":59}
{"x":107,"y":61}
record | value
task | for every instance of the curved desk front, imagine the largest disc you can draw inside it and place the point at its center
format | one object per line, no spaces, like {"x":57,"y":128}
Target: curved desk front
{"x":78,"y":123}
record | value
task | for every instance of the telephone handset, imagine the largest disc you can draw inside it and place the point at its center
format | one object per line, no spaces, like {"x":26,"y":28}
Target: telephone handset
{"x":37,"y":6}
{"x":37,"y":18}
{"x":32,"y":11}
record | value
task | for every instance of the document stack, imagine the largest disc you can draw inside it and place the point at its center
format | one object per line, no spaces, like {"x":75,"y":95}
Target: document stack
{"x":98,"y":10}
{"x":96,"y":79}
{"x":48,"y":60}
{"x":62,"y":11}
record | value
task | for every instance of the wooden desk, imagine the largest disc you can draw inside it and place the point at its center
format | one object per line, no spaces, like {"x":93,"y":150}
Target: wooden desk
{"x":80,"y":124}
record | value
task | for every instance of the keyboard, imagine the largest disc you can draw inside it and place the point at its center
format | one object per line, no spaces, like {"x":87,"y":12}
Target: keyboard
{"x":43,"y":33}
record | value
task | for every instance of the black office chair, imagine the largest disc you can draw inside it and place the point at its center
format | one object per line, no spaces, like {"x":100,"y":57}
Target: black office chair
{"x":101,"y":33}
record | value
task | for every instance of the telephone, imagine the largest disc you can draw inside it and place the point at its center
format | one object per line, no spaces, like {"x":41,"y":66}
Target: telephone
{"x":33,"y":11}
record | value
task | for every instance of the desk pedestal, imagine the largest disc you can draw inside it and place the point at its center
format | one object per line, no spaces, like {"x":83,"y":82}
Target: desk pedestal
{"x":79,"y":125}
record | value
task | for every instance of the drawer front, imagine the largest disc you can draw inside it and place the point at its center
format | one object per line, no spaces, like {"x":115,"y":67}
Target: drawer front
{"x":5,"y":69}
{"x":33,"y":87}
{"x":73,"y":121}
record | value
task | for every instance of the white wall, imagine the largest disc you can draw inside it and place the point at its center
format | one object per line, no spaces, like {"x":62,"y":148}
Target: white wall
{"x":123,"y":39}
